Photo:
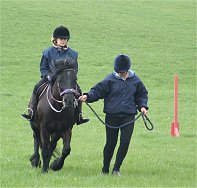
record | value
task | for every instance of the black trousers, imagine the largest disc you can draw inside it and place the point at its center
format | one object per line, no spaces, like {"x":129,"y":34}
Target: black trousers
{"x":112,"y":138}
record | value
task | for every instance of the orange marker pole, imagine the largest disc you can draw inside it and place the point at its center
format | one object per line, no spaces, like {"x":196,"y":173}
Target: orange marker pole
{"x":175,"y":124}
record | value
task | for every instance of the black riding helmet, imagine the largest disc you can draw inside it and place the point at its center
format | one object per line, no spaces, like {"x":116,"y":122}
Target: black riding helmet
{"x":122,"y":63}
{"x":61,"y":32}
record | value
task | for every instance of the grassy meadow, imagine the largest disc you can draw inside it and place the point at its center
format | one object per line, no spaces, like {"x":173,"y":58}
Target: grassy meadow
{"x":159,"y":36}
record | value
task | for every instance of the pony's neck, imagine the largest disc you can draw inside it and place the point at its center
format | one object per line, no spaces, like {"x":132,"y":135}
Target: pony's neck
{"x":55,"y":90}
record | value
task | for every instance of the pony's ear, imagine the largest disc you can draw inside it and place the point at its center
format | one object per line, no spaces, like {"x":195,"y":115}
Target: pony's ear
{"x":69,"y":62}
{"x":57,"y":66}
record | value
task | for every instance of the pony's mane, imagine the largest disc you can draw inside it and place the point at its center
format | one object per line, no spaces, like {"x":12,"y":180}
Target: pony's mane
{"x":58,"y":66}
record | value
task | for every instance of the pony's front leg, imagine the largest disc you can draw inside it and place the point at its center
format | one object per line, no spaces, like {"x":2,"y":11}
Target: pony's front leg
{"x":35,"y":158}
{"x":54,"y":139}
{"x":59,"y":162}
{"x":45,"y":136}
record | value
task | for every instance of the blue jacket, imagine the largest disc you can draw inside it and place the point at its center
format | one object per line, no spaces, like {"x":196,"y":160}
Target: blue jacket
{"x":120,"y":96}
{"x":53,"y":53}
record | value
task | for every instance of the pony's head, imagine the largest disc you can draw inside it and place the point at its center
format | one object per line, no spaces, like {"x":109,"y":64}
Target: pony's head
{"x":66,"y":80}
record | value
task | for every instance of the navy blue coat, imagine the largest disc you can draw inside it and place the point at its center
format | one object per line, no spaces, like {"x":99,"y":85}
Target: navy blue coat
{"x":120,"y":96}
{"x":52,"y":54}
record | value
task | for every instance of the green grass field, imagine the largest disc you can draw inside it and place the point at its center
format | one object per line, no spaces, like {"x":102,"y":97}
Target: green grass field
{"x":159,"y":35}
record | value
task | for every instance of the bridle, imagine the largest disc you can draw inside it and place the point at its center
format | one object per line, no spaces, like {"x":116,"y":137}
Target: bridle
{"x":66,"y":91}
{"x":49,"y":95}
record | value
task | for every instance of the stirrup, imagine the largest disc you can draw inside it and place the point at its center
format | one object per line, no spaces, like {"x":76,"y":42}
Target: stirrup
{"x":30,"y":114}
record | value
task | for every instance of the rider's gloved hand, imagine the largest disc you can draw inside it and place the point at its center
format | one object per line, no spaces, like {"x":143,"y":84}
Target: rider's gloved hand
{"x":50,"y":77}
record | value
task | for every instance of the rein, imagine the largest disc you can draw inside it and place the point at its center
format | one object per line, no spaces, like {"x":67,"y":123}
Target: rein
{"x":66,"y":91}
{"x":52,"y":107}
{"x":144,"y":117}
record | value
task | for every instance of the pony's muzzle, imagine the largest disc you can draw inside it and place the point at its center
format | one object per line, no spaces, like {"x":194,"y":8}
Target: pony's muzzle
{"x":69,"y":100}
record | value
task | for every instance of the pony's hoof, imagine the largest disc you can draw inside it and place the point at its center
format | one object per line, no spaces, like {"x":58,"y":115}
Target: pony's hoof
{"x":35,"y":161}
{"x":56,"y":165}
{"x":44,"y":171}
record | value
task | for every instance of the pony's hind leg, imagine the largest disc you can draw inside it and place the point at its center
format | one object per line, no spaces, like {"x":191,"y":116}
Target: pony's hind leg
{"x":35,"y":158}
{"x":59,"y":162}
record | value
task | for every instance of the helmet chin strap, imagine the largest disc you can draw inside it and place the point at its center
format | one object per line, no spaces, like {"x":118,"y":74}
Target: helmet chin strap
{"x":60,"y":47}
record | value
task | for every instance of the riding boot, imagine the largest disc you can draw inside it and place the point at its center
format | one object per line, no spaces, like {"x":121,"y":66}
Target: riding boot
{"x":78,"y":114}
{"x":31,"y":108}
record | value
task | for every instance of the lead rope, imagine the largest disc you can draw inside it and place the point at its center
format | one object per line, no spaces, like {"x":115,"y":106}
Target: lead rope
{"x":145,"y":122}
{"x":126,"y":124}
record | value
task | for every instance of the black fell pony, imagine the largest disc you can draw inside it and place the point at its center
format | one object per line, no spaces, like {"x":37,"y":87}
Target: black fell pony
{"x":55,"y":116}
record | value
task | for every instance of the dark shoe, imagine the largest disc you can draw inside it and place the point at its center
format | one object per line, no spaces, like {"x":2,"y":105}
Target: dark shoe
{"x":29,"y":116}
{"x":81,"y":120}
{"x":116,"y":173}
{"x":105,"y":171}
